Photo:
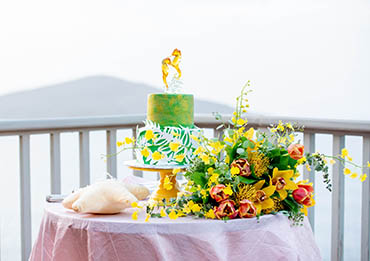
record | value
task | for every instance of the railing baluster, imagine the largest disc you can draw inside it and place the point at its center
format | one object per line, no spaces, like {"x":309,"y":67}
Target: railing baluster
{"x":218,"y":133}
{"x":25,"y":195}
{"x":365,"y":210}
{"x":111,"y":151}
{"x":337,"y":214}
{"x":84,"y":158}
{"x":137,"y":173}
{"x":55,"y":182}
{"x":309,"y":146}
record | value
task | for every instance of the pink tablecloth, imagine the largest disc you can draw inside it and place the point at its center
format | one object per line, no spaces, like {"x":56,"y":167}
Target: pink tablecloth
{"x":65,"y":235}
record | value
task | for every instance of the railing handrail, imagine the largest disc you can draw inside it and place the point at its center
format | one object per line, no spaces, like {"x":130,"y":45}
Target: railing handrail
{"x":14,"y":127}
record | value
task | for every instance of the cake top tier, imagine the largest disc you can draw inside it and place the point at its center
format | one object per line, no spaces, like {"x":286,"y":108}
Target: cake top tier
{"x":171,"y":109}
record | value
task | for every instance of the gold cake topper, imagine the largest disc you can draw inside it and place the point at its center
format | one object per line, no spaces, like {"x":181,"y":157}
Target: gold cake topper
{"x":174,"y":63}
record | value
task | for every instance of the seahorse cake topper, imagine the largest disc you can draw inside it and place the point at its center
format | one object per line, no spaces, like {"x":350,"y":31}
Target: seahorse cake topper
{"x":175,"y":83}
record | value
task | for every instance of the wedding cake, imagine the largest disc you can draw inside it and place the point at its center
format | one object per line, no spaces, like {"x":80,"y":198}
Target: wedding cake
{"x":169,"y":136}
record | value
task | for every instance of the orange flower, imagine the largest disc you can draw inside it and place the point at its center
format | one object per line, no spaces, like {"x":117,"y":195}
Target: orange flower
{"x":226,"y":209}
{"x":247,"y":209}
{"x":243,"y":165}
{"x":217,"y":192}
{"x":296,"y":151}
{"x":303,"y":195}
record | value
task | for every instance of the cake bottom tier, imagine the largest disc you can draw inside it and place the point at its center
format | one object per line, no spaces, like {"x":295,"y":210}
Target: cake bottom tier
{"x":157,"y":145}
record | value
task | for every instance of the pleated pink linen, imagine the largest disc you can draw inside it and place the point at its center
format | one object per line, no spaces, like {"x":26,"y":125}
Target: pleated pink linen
{"x":65,"y":235}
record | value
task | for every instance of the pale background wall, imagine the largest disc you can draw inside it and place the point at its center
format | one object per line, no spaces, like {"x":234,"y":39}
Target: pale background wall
{"x":298,"y":54}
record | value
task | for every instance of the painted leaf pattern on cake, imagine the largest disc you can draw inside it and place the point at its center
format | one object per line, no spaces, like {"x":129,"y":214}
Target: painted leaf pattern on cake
{"x":164,"y":136}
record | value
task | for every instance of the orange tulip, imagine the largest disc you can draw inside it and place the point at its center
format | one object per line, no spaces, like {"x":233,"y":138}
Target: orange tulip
{"x":243,"y":165}
{"x":226,"y":209}
{"x":247,"y":209}
{"x":303,"y":195}
{"x":217,"y":192}
{"x":296,"y":151}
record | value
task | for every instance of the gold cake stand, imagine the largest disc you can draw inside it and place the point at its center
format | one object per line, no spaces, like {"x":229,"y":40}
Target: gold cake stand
{"x":164,"y":171}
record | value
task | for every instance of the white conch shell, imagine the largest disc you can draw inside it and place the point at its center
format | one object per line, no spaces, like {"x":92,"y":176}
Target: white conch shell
{"x":104,"y":197}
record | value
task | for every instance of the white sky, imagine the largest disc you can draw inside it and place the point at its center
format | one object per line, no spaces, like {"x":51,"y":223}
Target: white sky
{"x":304,"y":58}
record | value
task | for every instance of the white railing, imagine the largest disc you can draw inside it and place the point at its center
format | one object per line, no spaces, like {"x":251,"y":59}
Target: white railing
{"x":54,"y":127}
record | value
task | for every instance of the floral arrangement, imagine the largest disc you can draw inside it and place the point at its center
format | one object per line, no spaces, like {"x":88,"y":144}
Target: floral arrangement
{"x":249,"y":173}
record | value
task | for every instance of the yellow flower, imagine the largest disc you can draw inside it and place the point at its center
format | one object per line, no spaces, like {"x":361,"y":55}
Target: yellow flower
{"x":120,"y":143}
{"x":308,"y":167}
{"x":134,"y":215}
{"x":149,"y":135}
{"x":173,"y":215}
{"x":175,"y":134}
{"x":228,"y":139}
{"x":291,"y":137}
{"x":194,"y":137}
{"x":195,"y":208}
{"x":175,"y":171}
{"x":354,"y":175}
{"x":332,"y":162}
{"x":262,"y":196}
{"x":210,"y":170}
{"x":174,"y":146}
{"x":213,"y":178}
{"x":167,"y":184}
{"x":186,"y":209}
{"x":363,"y":177}
{"x":280,"y":127}
{"x":198,"y":150}
{"x":204,"y":193}
{"x":205,"y":158}
{"x":349,"y":158}
{"x":180,"y":213}
{"x":157,"y":156}
{"x":147,"y":217}
{"x":296,"y":175}
{"x":289,"y":126}
{"x":273,"y":130}
{"x":217,"y":146}
{"x":179,"y":157}
{"x":210,"y":214}
{"x":281,"y":180}
{"x":234,"y":171}
{"x":368,"y":164}
{"x":145,"y":152}
{"x":344,"y":153}
{"x":249,"y":134}
{"x":233,"y":120}
{"x":240,"y":121}
{"x":135,"y":205}
{"x":346,"y":171}
{"x":128,"y":140}
{"x":302,"y":160}
{"x":227,"y":190}
{"x":163,"y":213}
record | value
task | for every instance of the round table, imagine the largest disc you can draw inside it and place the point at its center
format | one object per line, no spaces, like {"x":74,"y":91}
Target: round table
{"x":65,"y":235}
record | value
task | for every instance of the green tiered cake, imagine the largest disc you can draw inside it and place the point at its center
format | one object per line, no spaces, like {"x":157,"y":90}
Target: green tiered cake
{"x":169,"y":136}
